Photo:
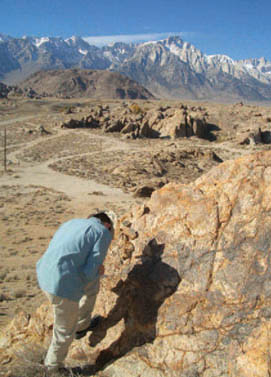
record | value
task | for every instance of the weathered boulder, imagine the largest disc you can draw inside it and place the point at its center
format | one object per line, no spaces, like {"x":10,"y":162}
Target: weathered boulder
{"x":200,"y":128}
{"x":176,"y":122}
{"x":88,"y":122}
{"x":213,"y":236}
{"x":189,"y":292}
{"x":254,"y":137}
{"x":115,"y":126}
{"x":146,"y":131}
{"x":144,"y":192}
{"x":266,"y":137}
{"x":129,"y":128}
{"x":154,"y":117}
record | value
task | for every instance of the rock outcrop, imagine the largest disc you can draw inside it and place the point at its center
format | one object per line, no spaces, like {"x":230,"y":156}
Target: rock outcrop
{"x":15,"y":91}
{"x":135,"y":122}
{"x":258,"y":137}
{"x":189,"y":292}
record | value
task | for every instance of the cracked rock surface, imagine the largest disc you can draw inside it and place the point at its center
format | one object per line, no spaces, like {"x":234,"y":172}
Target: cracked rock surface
{"x":188,"y":291}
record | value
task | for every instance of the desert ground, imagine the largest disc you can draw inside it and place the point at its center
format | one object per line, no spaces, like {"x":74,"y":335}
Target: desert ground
{"x":53,"y":174}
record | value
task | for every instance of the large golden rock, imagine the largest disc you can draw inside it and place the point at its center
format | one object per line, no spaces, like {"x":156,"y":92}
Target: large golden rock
{"x":188,"y":291}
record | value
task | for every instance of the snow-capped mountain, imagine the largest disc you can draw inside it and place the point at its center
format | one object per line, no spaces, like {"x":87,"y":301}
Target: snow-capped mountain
{"x":168,"y":68}
{"x":118,"y":52}
{"x":4,"y":37}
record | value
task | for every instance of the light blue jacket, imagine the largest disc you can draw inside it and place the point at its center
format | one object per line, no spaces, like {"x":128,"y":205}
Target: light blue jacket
{"x":73,"y":257}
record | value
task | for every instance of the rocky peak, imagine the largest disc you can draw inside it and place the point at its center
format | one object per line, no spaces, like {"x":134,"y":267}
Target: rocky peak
{"x":176,"y":45}
{"x":118,"y":52}
{"x":261,"y":64}
{"x":78,"y":43}
{"x":4,"y":37}
{"x":173,"y":43}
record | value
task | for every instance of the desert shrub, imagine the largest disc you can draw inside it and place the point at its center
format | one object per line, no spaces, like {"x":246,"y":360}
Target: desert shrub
{"x":28,"y":362}
{"x":30,"y":276}
{"x":4,"y":273}
{"x":36,"y":371}
{"x":220,"y":138}
{"x":13,"y":253}
{"x":135,"y":108}
{"x":3,"y":297}
{"x":18,"y":293}
{"x":12,"y":276}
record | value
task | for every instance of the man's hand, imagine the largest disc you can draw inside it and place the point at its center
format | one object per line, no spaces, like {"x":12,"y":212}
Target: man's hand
{"x":101,"y":269}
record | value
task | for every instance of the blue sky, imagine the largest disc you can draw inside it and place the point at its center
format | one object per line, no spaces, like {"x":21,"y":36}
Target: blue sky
{"x":238,"y":28}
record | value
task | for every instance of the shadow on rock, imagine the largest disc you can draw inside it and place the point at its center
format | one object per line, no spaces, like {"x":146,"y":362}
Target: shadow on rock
{"x":210,"y":129}
{"x":139,"y":297}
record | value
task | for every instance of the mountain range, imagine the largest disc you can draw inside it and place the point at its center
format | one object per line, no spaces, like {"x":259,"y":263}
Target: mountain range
{"x":170,"y":68}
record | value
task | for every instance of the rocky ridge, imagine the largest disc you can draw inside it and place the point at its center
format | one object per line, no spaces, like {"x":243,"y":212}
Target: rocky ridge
{"x":77,"y":83}
{"x":189,"y":286}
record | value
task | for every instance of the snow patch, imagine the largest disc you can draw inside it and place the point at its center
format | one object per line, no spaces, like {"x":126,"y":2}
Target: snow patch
{"x":221,"y":59}
{"x":83,"y":52}
{"x":71,"y":40}
{"x":40,"y":41}
{"x":149,"y":43}
{"x":174,"y":49}
{"x":249,"y":66}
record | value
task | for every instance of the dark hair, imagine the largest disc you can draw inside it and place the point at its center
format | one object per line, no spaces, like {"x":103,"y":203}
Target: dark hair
{"x":103,"y":217}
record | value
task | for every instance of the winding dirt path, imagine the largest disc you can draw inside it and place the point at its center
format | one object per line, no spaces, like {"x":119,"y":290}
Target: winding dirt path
{"x":82,"y":192}
{"x":20,"y":119}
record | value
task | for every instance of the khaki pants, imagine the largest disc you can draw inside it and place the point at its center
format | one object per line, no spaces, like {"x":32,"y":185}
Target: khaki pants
{"x":69,"y":317}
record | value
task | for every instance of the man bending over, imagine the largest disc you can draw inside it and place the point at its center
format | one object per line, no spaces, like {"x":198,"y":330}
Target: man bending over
{"x":69,"y":274}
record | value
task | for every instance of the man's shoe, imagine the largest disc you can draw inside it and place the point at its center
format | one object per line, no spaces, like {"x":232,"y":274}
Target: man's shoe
{"x":62,"y":371}
{"x":56,"y":371}
{"x":93,"y":324}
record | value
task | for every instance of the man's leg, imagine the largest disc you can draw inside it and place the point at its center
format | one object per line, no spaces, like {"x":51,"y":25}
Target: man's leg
{"x":65,"y":322}
{"x":86,"y":305}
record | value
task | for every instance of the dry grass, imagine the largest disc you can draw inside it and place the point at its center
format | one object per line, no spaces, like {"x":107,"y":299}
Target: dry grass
{"x":36,"y":371}
{"x":3,"y":273}
{"x":29,"y":363}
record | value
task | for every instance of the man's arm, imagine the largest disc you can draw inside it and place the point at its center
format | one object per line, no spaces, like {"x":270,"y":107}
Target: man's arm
{"x":96,"y":257}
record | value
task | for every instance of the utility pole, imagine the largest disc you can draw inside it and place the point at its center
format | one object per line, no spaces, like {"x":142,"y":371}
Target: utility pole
{"x":5,"y":149}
